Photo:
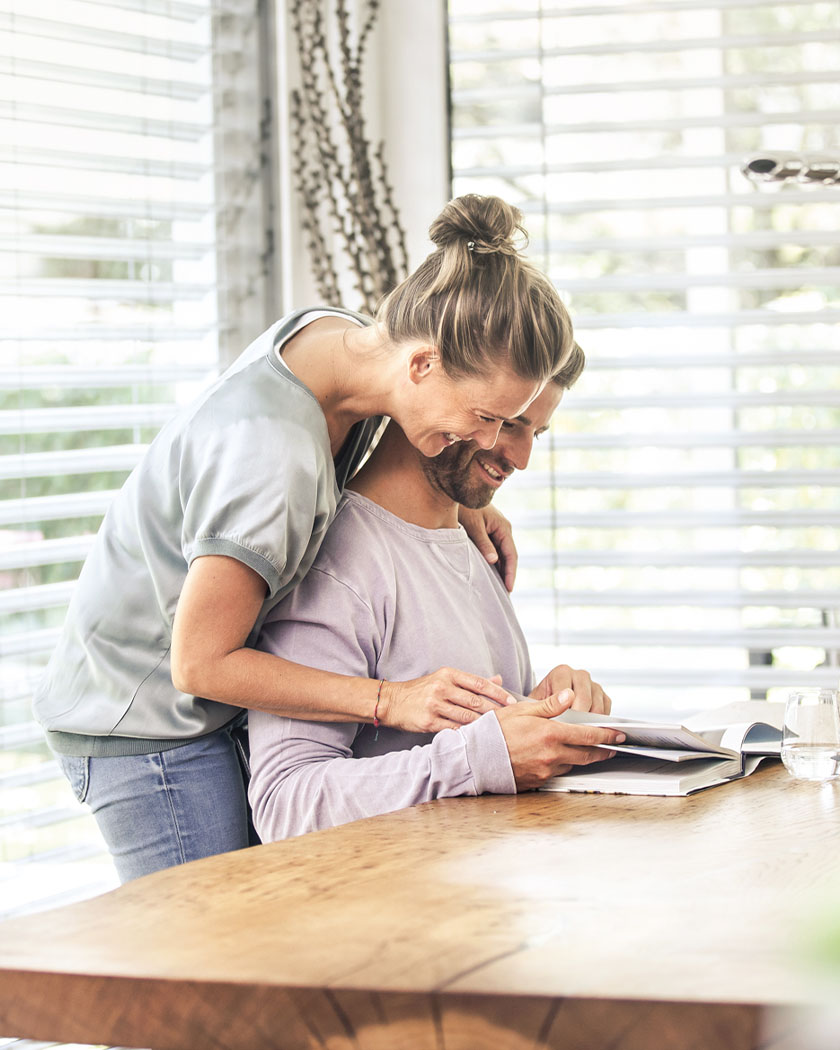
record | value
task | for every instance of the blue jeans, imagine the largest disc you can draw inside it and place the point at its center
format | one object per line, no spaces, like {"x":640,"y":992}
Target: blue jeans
{"x":169,"y":807}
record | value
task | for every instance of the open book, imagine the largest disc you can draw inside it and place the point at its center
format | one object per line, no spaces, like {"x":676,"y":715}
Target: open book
{"x":661,"y":758}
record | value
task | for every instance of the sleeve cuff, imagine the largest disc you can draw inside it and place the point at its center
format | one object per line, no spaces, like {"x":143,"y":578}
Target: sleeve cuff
{"x":488,"y":757}
{"x":231,"y":549}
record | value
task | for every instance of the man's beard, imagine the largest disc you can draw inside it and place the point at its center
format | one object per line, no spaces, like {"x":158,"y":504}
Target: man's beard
{"x":450,"y":472}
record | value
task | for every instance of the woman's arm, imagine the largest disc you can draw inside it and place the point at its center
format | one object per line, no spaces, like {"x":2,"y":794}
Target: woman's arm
{"x":216,"y":612}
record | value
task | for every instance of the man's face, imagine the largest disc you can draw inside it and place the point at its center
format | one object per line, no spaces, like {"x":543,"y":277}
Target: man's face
{"x":470,"y":475}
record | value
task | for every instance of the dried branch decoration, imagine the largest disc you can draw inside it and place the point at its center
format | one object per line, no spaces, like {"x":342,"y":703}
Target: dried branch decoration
{"x":348,"y":202}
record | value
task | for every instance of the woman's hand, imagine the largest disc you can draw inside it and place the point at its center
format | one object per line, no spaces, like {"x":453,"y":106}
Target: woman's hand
{"x":588,"y":695}
{"x":491,"y":532}
{"x":447,"y":699}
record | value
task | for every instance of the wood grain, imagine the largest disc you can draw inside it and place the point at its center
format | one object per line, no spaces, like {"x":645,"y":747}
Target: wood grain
{"x":538,"y":921}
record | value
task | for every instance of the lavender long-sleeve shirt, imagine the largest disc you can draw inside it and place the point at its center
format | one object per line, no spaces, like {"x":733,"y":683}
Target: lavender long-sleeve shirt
{"x":384,"y":599}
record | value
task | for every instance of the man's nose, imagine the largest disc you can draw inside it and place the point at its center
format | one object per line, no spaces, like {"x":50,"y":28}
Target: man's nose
{"x":517,"y":450}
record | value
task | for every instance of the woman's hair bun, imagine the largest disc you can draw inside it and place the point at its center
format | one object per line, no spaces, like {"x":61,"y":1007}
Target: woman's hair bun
{"x":478,"y":300}
{"x":482,"y":224}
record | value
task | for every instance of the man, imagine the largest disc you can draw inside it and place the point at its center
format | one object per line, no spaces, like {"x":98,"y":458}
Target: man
{"x":396,"y":590}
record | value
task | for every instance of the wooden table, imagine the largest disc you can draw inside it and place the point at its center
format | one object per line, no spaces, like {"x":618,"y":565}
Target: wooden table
{"x":539,"y":921}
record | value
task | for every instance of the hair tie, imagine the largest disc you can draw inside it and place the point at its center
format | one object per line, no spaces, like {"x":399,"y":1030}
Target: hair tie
{"x":470,"y":246}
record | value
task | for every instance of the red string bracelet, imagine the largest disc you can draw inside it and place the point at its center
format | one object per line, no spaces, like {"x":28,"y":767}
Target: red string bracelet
{"x":376,"y":721}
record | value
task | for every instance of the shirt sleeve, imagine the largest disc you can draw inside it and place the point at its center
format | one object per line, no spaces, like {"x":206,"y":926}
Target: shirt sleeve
{"x":261,"y":505}
{"x":304,"y":776}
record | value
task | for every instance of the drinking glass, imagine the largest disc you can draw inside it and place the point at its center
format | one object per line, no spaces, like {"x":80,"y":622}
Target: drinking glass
{"x":811,"y":735}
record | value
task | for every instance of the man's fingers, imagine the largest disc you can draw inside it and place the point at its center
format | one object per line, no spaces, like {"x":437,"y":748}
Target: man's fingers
{"x":583,"y":687}
{"x":552,"y":706}
{"x":584,"y":756}
{"x":587,"y":736}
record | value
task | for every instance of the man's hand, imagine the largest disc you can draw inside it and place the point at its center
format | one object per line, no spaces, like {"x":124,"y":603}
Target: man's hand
{"x":540,"y":748}
{"x":491,"y":532}
{"x":589,"y":696}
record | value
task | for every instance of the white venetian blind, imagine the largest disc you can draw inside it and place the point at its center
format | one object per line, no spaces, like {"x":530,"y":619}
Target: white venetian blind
{"x":129,"y":265}
{"x":679,"y":526}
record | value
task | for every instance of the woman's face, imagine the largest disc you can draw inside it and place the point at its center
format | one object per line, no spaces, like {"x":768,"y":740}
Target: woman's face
{"x":440,"y":410}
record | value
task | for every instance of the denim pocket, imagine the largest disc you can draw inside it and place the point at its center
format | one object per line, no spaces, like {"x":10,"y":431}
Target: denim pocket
{"x":77,"y":771}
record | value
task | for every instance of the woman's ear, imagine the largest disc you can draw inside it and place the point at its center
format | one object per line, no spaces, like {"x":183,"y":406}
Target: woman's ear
{"x":422,"y":361}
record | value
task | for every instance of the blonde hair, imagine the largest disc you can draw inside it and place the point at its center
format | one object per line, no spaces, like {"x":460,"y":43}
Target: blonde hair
{"x":478,"y":300}
{"x":570,"y":373}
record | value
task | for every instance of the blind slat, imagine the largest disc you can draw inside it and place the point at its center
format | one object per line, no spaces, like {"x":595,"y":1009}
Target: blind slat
{"x":696,"y":319}
{"x":99,"y":248}
{"x":70,"y":376}
{"x":669,"y":479}
{"x":751,"y":359}
{"x":122,"y":123}
{"x":27,"y":599}
{"x":698,"y":439}
{"x":146,"y":291}
{"x":601,"y":165}
{"x":535,"y":89}
{"x":675,"y":519}
{"x":524,"y":12}
{"x":68,"y":32}
{"x":787,"y":195}
{"x":28,"y":643}
{"x":71,"y":461}
{"x":58,"y":73}
{"x":87,"y":417}
{"x":53,"y":508}
{"x":608,"y":558}
{"x":640,"y":124}
{"x":761,"y":640}
{"x":658,"y":46}
{"x":150,"y":167}
{"x":158,"y":331}
{"x":23,"y":734}
{"x":722,"y":400}
{"x":177,"y":9}
{"x":764,"y":279}
{"x":150,"y":210}
{"x":45,"y":552}
{"x":31,"y":775}
{"x":703,"y":599}
{"x":682,"y":679}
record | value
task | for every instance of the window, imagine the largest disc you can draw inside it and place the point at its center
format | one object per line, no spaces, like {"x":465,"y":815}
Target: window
{"x":679,"y":525}
{"x":133,"y":262}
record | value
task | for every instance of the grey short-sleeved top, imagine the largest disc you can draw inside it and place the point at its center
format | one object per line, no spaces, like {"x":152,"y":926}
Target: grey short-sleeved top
{"x":245,"y":471}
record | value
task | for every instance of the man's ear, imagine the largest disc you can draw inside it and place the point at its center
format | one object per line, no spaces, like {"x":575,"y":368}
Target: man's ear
{"x":422,"y":362}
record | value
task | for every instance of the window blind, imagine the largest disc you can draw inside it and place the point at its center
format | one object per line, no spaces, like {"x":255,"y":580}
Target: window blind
{"x":132,"y":251}
{"x":678,"y":525}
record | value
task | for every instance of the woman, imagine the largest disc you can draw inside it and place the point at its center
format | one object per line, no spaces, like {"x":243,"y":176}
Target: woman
{"x":224,"y":516}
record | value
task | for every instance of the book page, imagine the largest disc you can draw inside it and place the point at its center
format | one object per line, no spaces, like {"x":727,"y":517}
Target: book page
{"x":649,"y":734}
